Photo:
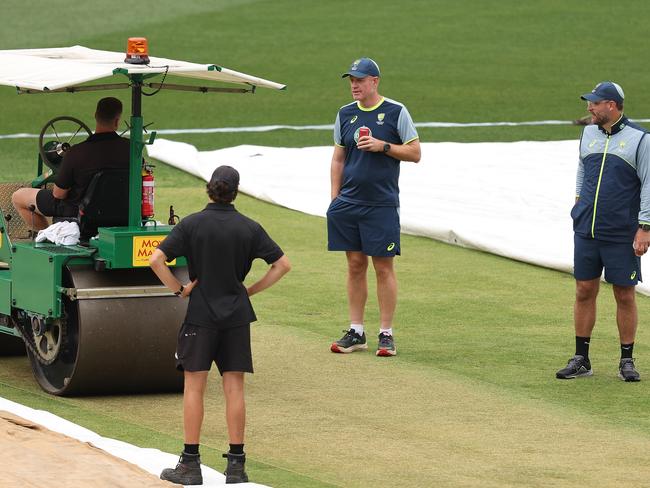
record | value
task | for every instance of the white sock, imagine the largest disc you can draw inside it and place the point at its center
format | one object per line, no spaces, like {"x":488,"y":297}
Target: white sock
{"x":357,"y":328}
{"x":386,"y":331}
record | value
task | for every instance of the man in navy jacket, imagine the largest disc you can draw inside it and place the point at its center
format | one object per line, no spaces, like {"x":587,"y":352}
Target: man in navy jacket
{"x":611,"y":221}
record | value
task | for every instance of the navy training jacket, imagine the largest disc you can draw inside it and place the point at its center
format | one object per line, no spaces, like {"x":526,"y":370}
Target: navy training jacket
{"x":612,"y":183}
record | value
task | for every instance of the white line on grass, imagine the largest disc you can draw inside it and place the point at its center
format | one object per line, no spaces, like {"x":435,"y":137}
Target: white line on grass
{"x":268,"y":128}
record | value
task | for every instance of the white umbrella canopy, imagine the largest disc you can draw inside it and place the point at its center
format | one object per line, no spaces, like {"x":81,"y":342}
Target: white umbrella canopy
{"x":57,"y":68}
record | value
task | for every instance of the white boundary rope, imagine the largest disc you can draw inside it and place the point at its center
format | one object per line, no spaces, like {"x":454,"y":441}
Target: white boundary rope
{"x":269,"y":128}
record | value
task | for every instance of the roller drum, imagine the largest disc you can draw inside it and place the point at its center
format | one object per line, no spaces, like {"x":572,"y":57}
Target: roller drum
{"x":116,"y":345}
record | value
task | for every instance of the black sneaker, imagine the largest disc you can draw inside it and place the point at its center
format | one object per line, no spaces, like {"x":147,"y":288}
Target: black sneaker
{"x":186,"y":472}
{"x":577,"y":366}
{"x":235,"y":472}
{"x":350,"y":342}
{"x":626,"y":370}
{"x":386,"y":346}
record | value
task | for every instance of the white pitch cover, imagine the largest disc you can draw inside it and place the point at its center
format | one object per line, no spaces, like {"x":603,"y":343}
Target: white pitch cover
{"x":508,"y":198}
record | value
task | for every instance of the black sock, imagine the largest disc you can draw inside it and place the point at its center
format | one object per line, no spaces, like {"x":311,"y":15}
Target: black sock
{"x":191,"y":449}
{"x":236,"y":449}
{"x":582,"y":346}
{"x":626,"y":350}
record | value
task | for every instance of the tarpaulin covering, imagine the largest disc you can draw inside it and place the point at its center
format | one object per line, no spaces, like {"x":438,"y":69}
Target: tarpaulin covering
{"x":508,"y":198}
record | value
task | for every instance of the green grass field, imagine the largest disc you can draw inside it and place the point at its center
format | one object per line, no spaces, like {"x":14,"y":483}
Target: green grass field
{"x":471,"y":399}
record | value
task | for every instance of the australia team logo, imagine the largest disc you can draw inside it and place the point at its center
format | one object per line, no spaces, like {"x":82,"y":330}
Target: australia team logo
{"x":356,"y":132}
{"x":380,"y":119}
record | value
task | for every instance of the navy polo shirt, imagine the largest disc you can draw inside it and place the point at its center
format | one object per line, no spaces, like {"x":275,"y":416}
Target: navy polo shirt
{"x":220,"y":245}
{"x":371,"y":178}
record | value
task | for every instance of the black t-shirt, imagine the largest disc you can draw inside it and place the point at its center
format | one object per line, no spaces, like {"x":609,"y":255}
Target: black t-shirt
{"x":83,"y":160}
{"x":220,"y":245}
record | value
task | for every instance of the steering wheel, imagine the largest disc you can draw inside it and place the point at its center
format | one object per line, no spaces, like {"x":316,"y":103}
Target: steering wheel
{"x":59,"y":135}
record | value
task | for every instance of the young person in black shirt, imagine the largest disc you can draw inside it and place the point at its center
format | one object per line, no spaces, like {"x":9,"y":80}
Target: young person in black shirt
{"x":220,"y":245}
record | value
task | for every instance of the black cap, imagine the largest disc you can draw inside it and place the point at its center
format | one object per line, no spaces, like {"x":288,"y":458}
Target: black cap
{"x":227,"y":175}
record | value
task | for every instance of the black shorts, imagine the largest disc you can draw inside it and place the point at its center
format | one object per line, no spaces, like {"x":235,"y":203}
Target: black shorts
{"x":53,"y":207}
{"x":229,"y":348}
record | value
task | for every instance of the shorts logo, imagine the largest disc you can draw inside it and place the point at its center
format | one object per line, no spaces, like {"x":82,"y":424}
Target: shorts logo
{"x":391,"y":246}
{"x":633,"y":275}
{"x":353,"y":119}
{"x":380,"y":119}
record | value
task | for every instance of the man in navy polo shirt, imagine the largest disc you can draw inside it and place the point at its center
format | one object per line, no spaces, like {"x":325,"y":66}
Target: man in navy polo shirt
{"x":220,"y":245}
{"x":371,"y":136}
{"x":611,"y":221}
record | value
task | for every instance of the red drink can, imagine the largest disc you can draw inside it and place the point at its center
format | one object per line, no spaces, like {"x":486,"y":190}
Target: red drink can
{"x":364,"y":131}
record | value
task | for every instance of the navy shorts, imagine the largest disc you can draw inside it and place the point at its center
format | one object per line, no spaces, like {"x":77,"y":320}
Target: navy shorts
{"x":229,"y":348}
{"x":590,"y":256}
{"x":371,"y":230}
{"x":53,"y":207}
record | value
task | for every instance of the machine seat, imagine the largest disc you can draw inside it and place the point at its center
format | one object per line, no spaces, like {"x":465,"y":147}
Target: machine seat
{"x":106,"y":202}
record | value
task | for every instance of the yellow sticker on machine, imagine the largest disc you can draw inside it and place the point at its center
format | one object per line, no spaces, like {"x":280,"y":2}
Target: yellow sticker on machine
{"x":143,"y":248}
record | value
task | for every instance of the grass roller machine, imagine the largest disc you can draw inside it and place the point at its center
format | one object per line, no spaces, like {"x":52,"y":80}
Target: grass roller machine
{"x":92,"y":318}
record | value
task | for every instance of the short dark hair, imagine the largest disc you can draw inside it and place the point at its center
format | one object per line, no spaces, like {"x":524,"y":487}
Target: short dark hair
{"x":221,"y":192}
{"x":108,"y":109}
{"x":619,"y":105}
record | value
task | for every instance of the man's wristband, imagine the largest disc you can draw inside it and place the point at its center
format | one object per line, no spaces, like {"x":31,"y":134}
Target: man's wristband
{"x":178,"y":293}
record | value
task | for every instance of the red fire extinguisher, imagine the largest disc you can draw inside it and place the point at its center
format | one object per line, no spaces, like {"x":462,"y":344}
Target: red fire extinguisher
{"x":147,"y":191}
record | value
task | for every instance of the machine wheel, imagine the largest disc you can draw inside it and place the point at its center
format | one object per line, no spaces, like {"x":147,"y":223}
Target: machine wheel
{"x":57,"y":136}
{"x":113,"y":345}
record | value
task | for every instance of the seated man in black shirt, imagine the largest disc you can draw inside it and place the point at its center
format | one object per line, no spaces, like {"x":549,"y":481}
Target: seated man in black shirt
{"x":103,"y":149}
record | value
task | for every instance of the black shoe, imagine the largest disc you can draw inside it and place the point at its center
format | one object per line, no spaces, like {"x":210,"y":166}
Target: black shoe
{"x":186,"y":472}
{"x":626,"y":370}
{"x":235,"y":472}
{"x":386,"y":346}
{"x":350,"y":342}
{"x":577,"y":366}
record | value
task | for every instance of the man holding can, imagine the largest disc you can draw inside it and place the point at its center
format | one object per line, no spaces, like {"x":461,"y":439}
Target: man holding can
{"x":371,"y":136}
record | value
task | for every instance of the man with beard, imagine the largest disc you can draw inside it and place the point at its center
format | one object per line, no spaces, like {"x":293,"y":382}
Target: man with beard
{"x":611,"y":221}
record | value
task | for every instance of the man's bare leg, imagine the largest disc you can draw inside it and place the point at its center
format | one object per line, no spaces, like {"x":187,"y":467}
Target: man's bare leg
{"x":357,"y":285}
{"x":193,"y":394}
{"x":386,"y":290}
{"x":233,"y":389}
{"x":24,"y":200}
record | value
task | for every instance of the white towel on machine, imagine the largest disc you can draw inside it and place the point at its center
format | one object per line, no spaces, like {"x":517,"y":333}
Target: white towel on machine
{"x":60,"y":233}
